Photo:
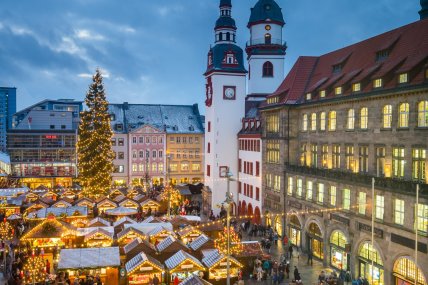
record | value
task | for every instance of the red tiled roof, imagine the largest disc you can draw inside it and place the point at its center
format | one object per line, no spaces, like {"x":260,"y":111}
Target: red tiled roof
{"x":408,"y":50}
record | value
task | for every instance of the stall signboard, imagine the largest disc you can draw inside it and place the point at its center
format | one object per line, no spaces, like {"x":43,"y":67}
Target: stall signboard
{"x":223,"y":263}
{"x":146,"y":268}
{"x":187,"y":266}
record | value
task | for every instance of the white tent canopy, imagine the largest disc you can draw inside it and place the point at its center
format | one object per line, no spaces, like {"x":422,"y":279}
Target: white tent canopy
{"x":80,"y":258}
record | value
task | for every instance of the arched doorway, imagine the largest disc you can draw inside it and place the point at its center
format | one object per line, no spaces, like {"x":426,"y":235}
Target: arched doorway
{"x":244,"y":208}
{"x":268,"y":220}
{"x":339,"y":257}
{"x":250,"y":212}
{"x":239,"y":208}
{"x":278,"y":224}
{"x":366,"y":256}
{"x":315,"y":240}
{"x":295,"y":231}
{"x":405,"y":272}
{"x":257,"y":216}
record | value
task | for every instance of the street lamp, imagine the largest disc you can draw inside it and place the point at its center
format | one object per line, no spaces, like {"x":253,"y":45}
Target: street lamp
{"x":168,"y":157}
{"x":229,"y":200}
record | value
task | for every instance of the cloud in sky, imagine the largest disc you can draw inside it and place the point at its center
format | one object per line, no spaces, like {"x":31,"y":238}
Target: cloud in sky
{"x":155,"y":51}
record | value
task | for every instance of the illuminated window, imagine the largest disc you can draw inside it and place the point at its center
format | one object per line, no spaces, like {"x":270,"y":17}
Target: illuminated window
{"x":406,"y":270}
{"x":309,"y":190}
{"x":423,"y":114}
{"x":332,"y":121}
{"x":379,"y":207}
{"x":299,"y":189}
{"x":314,"y":155}
{"x":369,"y":253}
{"x":346,"y":199}
{"x":272,"y":151}
{"x":303,"y":155}
{"x":160,"y":167}
{"x":155,"y":167}
{"x":399,"y":212}
{"x":276,"y":183}
{"x":377,"y":83}
{"x":350,"y":161}
{"x":364,"y":118}
{"x":403,"y":115}
{"x":322,"y":121}
{"x":380,"y":161}
{"x":338,"y":90}
{"x":134,"y":167}
{"x":422,"y":218}
{"x":336,"y":156}
{"x":272,"y":123}
{"x":387,"y":116}
{"x":324,"y":156}
{"x":308,"y":96}
{"x":362,"y":203}
{"x":322,"y":93}
{"x":333,"y":195}
{"x":350,"y":124}
{"x":313,"y":121}
{"x":290,"y":186}
{"x":418,"y":164}
{"x":141,"y":167}
{"x":196,"y":167}
{"x":356,"y":87}
{"x":403,"y":78}
{"x":305,"y":122}
{"x":398,"y":162}
{"x":320,"y":196}
{"x":363,"y":159}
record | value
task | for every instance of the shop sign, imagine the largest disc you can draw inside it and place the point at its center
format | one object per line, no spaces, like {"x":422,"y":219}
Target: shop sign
{"x":315,"y":211}
{"x":186,"y":266}
{"x":340,"y":219}
{"x":410,"y":243}
{"x":368,"y":228}
{"x":146,"y":268}
{"x":223,"y":263}
{"x":122,"y":272}
{"x":295,"y":204}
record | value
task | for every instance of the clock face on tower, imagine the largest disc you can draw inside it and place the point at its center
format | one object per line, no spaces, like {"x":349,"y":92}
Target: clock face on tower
{"x":229,"y":92}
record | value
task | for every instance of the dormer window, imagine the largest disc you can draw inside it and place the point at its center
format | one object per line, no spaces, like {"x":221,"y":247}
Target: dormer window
{"x":337,"y":68}
{"x":273,"y":100}
{"x":382,"y":55}
{"x":377,"y":83}
{"x":403,"y":78}
{"x":112,"y":117}
{"x":322,"y":93}
{"x":230,"y":58}
{"x":356,"y":87}
{"x":338,"y":90}
{"x":119,"y":127}
{"x":308,"y":96}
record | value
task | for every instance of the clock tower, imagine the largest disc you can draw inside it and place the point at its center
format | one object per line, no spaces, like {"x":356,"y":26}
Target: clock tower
{"x":266,"y":48}
{"x":225,"y":106}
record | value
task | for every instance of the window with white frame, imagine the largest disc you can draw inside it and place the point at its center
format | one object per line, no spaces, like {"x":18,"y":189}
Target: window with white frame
{"x":399,"y":212}
{"x":379,"y":207}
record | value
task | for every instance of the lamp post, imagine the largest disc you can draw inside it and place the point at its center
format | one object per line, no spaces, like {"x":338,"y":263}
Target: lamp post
{"x":229,"y":200}
{"x":168,"y":214}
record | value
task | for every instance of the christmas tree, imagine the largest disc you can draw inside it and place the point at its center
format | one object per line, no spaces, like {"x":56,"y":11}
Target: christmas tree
{"x":235,"y":243}
{"x":94,"y":144}
{"x":6,"y":231}
{"x":34,"y":270}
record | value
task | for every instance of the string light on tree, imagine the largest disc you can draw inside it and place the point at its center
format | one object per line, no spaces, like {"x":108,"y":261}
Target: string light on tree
{"x":94,"y":144}
{"x":6,"y":231}
{"x":34,"y":270}
{"x":220,"y":243}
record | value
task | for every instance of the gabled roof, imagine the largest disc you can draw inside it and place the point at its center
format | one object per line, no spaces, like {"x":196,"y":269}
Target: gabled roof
{"x":98,"y":221}
{"x":179,"y":258}
{"x":139,"y":245}
{"x":99,"y":231}
{"x":170,"y":243}
{"x":85,"y":201}
{"x":149,"y":201}
{"x":405,"y":50}
{"x":194,"y":280}
{"x":188,"y":230}
{"x":142,"y":259}
{"x":214,"y":258}
{"x":124,"y":220}
{"x":85,"y":258}
{"x":198,"y":242}
{"x":127,"y":231}
{"x":75,"y":211}
{"x":64,"y":201}
{"x":56,"y":229}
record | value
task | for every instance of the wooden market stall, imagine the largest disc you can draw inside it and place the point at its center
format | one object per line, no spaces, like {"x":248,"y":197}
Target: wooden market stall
{"x":189,"y":233}
{"x":138,"y":245}
{"x":200,"y":244}
{"x":129,"y":234}
{"x":158,"y":234}
{"x":217,"y":267}
{"x":82,"y":262}
{"x":194,"y":280}
{"x":168,"y":247}
{"x":182,"y":265}
{"x":99,"y":237}
{"x":129,"y":203}
{"x":150,"y":205}
{"x":142,"y":268}
{"x":105,"y":204}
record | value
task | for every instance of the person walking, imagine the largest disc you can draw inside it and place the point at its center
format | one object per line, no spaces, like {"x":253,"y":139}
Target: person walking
{"x":290,"y":251}
{"x":297,"y":274}
{"x":348,"y":278}
{"x":287,"y":269}
{"x":310,"y":257}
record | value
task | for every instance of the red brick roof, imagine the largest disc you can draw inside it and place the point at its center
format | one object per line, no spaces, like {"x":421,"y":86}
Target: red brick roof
{"x":407,"y":49}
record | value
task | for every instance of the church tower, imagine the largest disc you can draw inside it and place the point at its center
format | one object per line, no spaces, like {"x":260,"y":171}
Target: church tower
{"x":266,"y":48}
{"x":225,"y":106}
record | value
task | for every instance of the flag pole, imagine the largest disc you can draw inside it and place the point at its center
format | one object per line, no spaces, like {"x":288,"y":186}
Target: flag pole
{"x":416,"y":233}
{"x":373,"y":222}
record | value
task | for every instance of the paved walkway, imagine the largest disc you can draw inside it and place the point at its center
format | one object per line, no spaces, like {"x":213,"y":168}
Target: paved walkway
{"x":2,"y":280}
{"x":308,"y":273}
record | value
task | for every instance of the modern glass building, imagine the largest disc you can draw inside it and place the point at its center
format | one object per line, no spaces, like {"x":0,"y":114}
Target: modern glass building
{"x":7,"y":109}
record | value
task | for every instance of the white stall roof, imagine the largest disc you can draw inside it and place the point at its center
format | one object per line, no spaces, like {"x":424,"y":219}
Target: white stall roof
{"x":80,"y":258}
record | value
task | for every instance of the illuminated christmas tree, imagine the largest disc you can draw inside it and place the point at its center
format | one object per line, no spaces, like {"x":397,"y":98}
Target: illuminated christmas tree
{"x":6,"y":231}
{"x":94,"y":144}
{"x":235,"y":243}
{"x":34,"y":270}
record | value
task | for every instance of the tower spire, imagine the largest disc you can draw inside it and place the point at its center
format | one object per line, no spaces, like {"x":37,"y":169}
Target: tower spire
{"x":225,"y":27}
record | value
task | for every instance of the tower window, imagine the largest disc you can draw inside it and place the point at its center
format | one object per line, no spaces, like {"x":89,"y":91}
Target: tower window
{"x":267,"y":69}
{"x":227,"y":36}
{"x":220,"y":36}
{"x":268,"y":39}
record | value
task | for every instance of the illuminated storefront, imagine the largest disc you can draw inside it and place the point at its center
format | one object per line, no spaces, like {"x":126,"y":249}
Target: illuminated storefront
{"x":315,"y":240}
{"x":339,"y":258}
{"x":295,"y":231}
{"x":405,"y":272}
{"x":217,"y":266}
{"x":182,"y":265}
{"x":278,"y":224}
{"x":374,"y":273}
{"x":142,"y":268}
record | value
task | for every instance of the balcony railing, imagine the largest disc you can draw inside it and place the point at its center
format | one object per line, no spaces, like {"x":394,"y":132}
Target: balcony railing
{"x":265,"y":41}
{"x":388,"y":184}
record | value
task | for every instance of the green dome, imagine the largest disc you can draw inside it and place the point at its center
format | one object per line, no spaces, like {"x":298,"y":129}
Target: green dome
{"x":264,"y":10}
{"x":225,"y":22}
{"x":225,"y":3}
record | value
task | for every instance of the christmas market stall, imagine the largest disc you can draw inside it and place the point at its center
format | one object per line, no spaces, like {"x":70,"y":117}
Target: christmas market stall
{"x":250,"y":250}
{"x":105,"y":204}
{"x":194,"y":280}
{"x":84,"y":262}
{"x":62,"y":203}
{"x":189,"y":233}
{"x":129,"y":203}
{"x":129,"y":234}
{"x":150,"y":206}
{"x":98,"y":222}
{"x":200,"y":244}
{"x":216,"y":263}
{"x":158,"y":234}
{"x":142,"y":268}
{"x":168,"y":247}
{"x":49,"y":234}
{"x":182,"y":265}
{"x":99,"y":237}
{"x":85,"y":202}
{"x":138,"y":245}
{"x":68,"y":214}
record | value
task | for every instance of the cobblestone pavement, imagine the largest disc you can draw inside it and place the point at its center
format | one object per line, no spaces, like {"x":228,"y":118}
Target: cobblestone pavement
{"x":308,"y":273}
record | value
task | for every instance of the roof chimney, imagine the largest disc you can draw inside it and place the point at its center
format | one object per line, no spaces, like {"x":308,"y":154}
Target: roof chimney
{"x":424,"y":11}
